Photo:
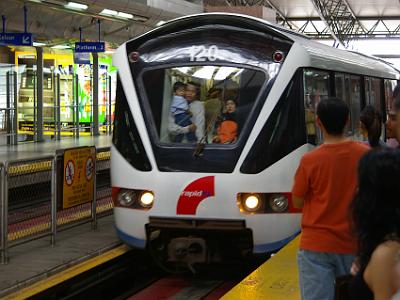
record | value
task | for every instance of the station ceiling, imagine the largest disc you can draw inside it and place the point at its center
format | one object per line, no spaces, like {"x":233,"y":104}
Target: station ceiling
{"x":52,"y":22}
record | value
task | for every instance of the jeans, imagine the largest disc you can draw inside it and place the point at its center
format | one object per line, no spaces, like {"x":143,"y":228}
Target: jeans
{"x":317,"y":273}
{"x":183,"y":120}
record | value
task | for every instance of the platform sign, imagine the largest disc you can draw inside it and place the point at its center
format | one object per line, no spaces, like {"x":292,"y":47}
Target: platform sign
{"x":16,"y":39}
{"x":82,"y":58}
{"x":90,"y":47}
{"x":79,"y":168}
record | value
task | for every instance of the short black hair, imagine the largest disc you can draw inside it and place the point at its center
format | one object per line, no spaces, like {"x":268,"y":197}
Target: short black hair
{"x":178,"y":85}
{"x":196,"y":85}
{"x":233,"y":100}
{"x":333,"y":113}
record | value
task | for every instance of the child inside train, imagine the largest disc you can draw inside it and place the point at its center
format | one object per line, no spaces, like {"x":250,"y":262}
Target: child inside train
{"x":180,"y":111}
{"x":228,"y":128}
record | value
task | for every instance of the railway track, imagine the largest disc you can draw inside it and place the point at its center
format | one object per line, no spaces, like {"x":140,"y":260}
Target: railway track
{"x":134,"y":276}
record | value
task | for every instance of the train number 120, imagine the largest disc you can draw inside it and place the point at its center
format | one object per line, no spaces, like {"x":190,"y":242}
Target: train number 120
{"x":202,"y":53}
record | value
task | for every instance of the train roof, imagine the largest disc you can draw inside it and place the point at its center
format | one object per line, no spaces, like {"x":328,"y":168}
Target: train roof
{"x":319,"y":55}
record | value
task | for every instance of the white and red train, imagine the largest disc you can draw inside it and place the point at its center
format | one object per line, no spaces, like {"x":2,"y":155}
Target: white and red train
{"x":202,"y":202}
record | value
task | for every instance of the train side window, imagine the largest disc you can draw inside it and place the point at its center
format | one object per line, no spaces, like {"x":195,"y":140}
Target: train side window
{"x":342,"y":90}
{"x":373,"y":93}
{"x":389,"y":101}
{"x":316,"y":86}
{"x":389,"y":87}
{"x":355,"y":106}
{"x":347,"y":88}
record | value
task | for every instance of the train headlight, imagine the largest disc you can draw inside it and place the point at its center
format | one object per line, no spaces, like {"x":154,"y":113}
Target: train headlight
{"x":279,"y":203}
{"x":146,"y":199}
{"x":127,"y":197}
{"x":252,"y":202}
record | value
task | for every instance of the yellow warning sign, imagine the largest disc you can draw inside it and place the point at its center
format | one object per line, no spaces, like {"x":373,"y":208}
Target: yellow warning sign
{"x":79,"y":168}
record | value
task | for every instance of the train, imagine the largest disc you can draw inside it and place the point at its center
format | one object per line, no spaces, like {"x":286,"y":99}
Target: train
{"x":191,"y":203}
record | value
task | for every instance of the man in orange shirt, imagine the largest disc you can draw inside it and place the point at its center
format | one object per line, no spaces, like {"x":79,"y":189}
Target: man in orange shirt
{"x":324,"y":185}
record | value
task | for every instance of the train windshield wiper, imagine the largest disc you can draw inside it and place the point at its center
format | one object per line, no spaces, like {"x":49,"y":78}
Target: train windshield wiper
{"x":198,"y":151}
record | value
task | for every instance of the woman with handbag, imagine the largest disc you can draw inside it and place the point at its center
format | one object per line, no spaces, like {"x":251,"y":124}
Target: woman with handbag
{"x":376,"y":216}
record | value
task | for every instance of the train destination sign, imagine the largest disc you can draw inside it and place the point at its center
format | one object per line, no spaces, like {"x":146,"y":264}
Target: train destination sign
{"x":79,"y":168}
{"x":90,"y":47}
{"x":16,"y":39}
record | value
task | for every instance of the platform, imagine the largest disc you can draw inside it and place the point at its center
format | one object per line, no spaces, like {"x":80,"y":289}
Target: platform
{"x":37,"y":150}
{"x":276,"y":279}
{"x":37,"y":260}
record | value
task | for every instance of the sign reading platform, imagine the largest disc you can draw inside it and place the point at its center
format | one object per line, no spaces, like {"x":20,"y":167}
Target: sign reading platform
{"x":16,"y":39}
{"x":79,"y":168}
{"x":90,"y":47}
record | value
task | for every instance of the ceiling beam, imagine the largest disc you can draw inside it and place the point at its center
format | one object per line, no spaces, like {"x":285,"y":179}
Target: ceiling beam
{"x":281,"y":18}
{"x":312,"y":27}
{"x":340,"y":20}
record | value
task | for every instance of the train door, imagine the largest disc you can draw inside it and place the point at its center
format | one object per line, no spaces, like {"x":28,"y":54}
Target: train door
{"x":347,"y":88}
{"x":316,"y":86}
{"x":389,"y":86}
{"x":373,"y":96}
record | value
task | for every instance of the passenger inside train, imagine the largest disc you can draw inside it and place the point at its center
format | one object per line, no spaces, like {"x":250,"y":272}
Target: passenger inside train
{"x":228,"y":128}
{"x":207,"y":87}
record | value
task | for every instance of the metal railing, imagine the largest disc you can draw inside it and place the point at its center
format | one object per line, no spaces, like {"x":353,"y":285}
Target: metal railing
{"x":31,"y":200}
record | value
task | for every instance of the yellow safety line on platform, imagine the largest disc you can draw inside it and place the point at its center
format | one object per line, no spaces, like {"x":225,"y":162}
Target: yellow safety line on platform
{"x":81,"y":214}
{"x":276,"y":279}
{"x":105,"y":155}
{"x":69,"y":273}
{"x":31,"y":167}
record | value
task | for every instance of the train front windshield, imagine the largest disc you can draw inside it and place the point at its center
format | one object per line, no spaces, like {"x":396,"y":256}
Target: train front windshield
{"x":203,"y":85}
{"x":210,"y":98}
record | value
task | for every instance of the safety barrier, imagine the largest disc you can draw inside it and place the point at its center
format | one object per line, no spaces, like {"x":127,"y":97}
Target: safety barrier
{"x":31,"y":195}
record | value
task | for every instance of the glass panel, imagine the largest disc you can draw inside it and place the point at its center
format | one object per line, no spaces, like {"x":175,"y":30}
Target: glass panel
{"x":389,"y":88}
{"x":355,"y":107}
{"x":342,"y":87}
{"x":375,"y":94}
{"x":339,"y":86}
{"x":206,"y":103}
{"x":316,"y":86}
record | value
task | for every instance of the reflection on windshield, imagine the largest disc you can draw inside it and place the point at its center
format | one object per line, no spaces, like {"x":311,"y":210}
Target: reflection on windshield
{"x":202,"y":104}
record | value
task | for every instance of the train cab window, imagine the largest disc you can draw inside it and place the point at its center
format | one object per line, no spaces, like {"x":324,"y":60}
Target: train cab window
{"x":316,"y":86}
{"x":216,"y":99}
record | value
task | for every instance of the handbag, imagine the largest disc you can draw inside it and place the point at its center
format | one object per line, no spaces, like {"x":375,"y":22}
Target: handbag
{"x":342,"y":287}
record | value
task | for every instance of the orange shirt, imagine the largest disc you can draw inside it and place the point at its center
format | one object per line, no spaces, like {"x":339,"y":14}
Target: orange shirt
{"x":327,"y":180}
{"x":227,"y":131}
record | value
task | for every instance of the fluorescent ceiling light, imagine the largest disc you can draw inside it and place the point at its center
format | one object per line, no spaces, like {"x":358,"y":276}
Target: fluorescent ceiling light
{"x":109,"y":12}
{"x":205,"y":72}
{"x":61,"y":47}
{"x":183,"y":69}
{"x":125,"y":15}
{"x":38,"y":44}
{"x":223,"y":72}
{"x":77,"y":6}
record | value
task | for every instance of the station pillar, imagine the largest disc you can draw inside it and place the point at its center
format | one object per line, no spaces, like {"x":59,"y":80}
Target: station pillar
{"x":39,"y":94}
{"x":95,"y":93}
